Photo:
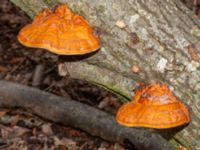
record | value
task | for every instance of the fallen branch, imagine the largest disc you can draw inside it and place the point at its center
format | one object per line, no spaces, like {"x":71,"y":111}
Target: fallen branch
{"x":73,"y":113}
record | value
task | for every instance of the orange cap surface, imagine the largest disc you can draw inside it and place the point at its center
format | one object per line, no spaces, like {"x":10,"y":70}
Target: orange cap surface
{"x":153,"y":106}
{"x":62,"y":32}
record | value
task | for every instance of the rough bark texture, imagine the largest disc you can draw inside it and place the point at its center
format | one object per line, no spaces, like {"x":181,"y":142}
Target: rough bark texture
{"x":73,"y":113}
{"x":161,"y":37}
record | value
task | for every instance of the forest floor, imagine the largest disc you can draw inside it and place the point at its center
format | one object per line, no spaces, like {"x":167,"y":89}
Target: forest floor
{"x":21,"y":130}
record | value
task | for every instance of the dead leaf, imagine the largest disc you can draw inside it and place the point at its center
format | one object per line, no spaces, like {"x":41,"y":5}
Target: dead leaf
{"x":104,"y":146}
{"x":17,"y":60}
{"x":18,"y":131}
{"x":101,"y":148}
{"x":70,"y":144}
{"x":32,"y":122}
{"x":7,"y":119}
{"x":18,"y":144}
{"x":64,"y":93}
{"x":5,"y":132}
{"x":104,"y":103}
{"x":3,"y":69}
{"x":72,"y":132}
{"x":12,"y":18}
{"x":14,"y":120}
{"x":46,"y":129}
{"x":57,"y":141}
{"x":3,"y":112}
{"x":117,"y":146}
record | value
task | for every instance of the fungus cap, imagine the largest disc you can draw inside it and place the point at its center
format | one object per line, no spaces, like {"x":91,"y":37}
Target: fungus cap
{"x":153,"y":106}
{"x":62,"y":32}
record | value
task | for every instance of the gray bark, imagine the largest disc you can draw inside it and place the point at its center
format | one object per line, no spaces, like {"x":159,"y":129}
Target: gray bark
{"x":161,"y":38}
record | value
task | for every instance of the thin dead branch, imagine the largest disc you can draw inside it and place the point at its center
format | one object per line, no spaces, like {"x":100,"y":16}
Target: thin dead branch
{"x":82,"y":116}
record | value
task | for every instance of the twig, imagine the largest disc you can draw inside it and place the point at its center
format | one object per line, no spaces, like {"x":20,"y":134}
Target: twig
{"x":73,"y":113}
{"x":38,"y":75}
{"x":18,"y":65}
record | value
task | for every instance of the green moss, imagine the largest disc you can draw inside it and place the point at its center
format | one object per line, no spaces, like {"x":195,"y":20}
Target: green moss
{"x":124,"y":97}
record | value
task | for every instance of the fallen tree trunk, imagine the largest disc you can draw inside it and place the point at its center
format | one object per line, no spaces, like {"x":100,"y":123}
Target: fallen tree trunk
{"x":78,"y":115}
{"x":161,"y":38}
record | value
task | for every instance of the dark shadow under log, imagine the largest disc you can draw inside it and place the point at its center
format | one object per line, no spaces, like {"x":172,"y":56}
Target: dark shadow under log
{"x":73,"y":113}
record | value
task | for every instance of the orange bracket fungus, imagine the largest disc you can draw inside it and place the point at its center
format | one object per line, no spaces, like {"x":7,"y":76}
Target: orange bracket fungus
{"x":62,"y":32}
{"x":153,"y":106}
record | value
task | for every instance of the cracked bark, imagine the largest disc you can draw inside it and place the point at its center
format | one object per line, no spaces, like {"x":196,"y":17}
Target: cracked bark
{"x":166,"y":30}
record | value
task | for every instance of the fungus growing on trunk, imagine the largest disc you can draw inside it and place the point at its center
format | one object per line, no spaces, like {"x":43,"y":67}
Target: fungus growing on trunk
{"x":62,"y":32}
{"x":153,"y":106}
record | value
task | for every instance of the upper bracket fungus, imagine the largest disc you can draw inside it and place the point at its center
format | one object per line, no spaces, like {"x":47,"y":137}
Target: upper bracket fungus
{"x":153,"y":106}
{"x":62,"y":32}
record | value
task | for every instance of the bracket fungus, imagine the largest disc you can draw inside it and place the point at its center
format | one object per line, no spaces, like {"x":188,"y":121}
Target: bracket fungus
{"x":153,"y":106}
{"x":62,"y":32}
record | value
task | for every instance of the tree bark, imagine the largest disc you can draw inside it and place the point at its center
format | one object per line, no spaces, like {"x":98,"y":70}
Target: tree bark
{"x":161,"y":38}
